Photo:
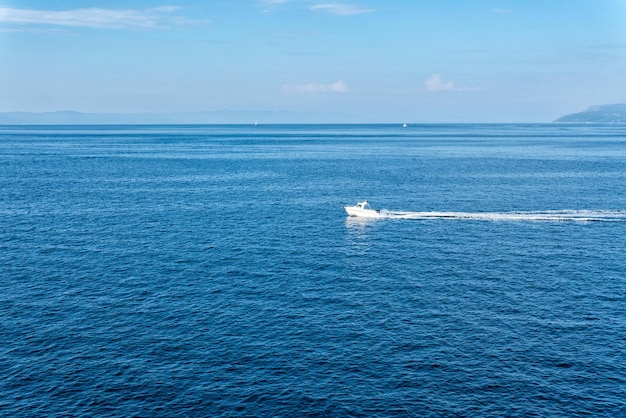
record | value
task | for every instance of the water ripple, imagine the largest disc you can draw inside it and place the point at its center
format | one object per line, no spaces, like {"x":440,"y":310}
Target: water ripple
{"x":149,"y":274}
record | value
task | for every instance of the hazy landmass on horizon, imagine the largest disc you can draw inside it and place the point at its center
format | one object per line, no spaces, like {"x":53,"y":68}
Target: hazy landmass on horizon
{"x":615,"y":113}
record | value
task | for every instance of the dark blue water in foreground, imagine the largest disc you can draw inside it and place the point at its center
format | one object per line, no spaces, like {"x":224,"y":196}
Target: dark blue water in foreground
{"x":211,"y":271}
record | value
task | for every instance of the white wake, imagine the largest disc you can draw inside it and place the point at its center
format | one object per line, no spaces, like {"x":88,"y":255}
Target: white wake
{"x":553,"y":215}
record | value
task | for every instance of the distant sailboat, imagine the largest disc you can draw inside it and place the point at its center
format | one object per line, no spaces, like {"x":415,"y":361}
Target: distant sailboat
{"x":404,"y":125}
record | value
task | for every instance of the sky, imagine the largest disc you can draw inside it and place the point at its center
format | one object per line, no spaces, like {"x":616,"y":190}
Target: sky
{"x":375,"y":61}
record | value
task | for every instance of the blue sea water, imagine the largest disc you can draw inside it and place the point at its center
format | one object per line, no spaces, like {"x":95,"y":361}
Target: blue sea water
{"x":211,"y":271}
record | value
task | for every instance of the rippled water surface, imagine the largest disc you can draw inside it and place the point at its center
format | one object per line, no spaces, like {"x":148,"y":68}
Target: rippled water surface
{"x":211,"y":271}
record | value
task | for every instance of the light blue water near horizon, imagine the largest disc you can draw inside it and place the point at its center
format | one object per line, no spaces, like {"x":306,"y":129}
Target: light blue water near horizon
{"x":211,"y":271}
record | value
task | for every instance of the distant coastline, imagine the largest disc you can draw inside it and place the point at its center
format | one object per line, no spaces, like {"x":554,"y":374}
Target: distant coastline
{"x":613,"y":113}
{"x":68,"y":117}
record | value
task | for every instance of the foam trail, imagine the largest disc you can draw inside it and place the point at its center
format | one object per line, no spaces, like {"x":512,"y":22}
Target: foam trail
{"x":557,"y":215}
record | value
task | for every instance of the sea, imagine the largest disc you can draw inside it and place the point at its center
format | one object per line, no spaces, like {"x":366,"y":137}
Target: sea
{"x":211,"y":271}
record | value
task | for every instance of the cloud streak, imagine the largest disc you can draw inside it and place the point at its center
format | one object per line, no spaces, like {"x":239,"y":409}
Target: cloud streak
{"x":98,"y":18}
{"x":436,"y":83}
{"x":271,"y":2}
{"x":313,"y":88}
{"x":340,"y":9}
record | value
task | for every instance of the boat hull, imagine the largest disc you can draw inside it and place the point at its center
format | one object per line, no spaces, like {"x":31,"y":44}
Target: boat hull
{"x":357,"y":211}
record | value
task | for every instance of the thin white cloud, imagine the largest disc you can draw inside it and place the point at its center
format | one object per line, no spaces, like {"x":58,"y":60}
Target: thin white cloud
{"x":313,"y":88}
{"x":268,"y":6}
{"x":340,"y":9}
{"x":436,"y":83}
{"x":97,"y":18}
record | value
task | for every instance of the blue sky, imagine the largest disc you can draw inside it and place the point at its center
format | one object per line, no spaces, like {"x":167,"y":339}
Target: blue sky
{"x":360,"y":61}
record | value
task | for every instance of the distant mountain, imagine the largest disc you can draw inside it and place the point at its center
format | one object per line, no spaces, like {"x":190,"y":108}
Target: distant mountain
{"x":614,"y":113}
{"x":217,"y":117}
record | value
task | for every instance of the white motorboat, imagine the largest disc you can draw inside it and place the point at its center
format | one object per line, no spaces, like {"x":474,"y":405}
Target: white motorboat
{"x":363,"y":210}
